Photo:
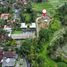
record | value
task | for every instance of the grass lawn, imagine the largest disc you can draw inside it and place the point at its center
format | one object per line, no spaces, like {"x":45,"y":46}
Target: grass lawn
{"x":41,"y":6}
{"x":17,"y":32}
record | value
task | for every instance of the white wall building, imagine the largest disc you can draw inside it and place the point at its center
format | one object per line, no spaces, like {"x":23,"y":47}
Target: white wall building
{"x":32,"y":25}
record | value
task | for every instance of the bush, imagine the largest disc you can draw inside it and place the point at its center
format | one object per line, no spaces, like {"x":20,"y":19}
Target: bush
{"x":27,"y":17}
{"x":44,"y":34}
{"x":55,"y":25}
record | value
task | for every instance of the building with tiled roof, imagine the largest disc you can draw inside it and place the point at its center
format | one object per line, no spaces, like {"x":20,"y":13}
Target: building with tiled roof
{"x":9,"y":59}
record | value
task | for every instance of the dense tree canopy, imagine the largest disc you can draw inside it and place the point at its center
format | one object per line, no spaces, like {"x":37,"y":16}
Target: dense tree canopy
{"x":44,"y":34}
{"x":62,"y":14}
{"x":56,"y":45}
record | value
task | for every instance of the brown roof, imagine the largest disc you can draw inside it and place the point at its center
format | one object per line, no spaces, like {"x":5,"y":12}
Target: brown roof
{"x":9,"y":54}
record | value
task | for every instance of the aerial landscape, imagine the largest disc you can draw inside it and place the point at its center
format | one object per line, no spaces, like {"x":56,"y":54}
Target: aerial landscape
{"x":33,"y":33}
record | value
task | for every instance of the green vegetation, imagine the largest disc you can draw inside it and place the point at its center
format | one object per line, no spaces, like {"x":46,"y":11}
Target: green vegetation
{"x":61,"y":14}
{"x":11,"y":1}
{"x":6,"y":9}
{"x":41,"y":6}
{"x":43,"y":53}
{"x":47,"y":50}
{"x":61,"y":64}
{"x":55,"y":25}
{"x":38,"y":7}
{"x":27,"y":17}
{"x":17,"y":32}
{"x":27,"y":14}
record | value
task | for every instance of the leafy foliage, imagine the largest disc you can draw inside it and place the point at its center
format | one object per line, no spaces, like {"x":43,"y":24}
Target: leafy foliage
{"x":59,"y":40}
{"x":61,"y":64}
{"x":61,"y":14}
{"x":27,"y":17}
{"x":55,"y":25}
{"x":44,"y":34}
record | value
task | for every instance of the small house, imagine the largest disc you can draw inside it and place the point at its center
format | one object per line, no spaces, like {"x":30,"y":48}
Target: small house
{"x":9,"y":59}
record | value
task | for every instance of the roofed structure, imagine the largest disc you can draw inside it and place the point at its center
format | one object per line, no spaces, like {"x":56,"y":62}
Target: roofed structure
{"x":32,"y":25}
{"x":8,"y":62}
{"x":9,"y":59}
{"x":9,"y":54}
{"x":4,"y":16}
{"x":23,"y":25}
{"x":26,"y":32}
{"x":24,"y":35}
